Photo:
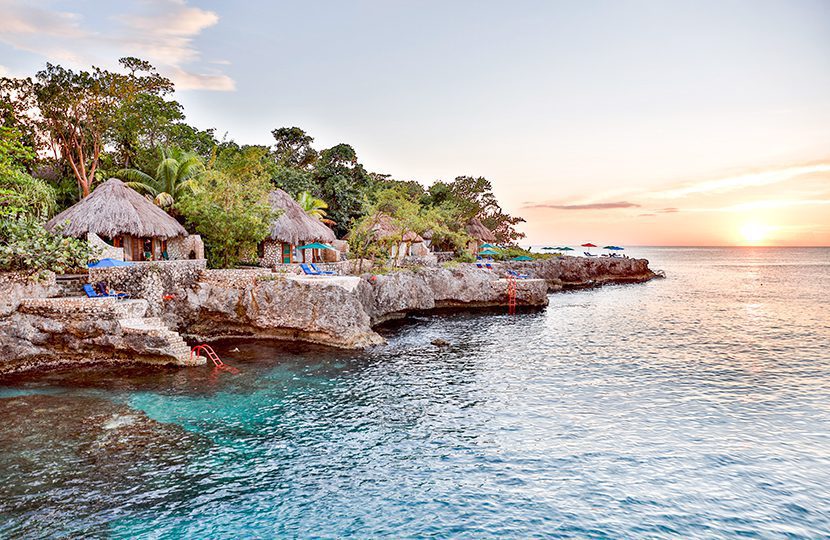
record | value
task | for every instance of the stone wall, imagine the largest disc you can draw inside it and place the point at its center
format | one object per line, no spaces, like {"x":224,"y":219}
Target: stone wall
{"x":271,"y":254}
{"x":182,"y":247}
{"x":155,"y":281}
{"x":105,"y":251}
{"x":16,"y":286}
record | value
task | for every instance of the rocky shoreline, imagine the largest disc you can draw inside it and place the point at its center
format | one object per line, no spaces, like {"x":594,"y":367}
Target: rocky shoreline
{"x":182,"y":299}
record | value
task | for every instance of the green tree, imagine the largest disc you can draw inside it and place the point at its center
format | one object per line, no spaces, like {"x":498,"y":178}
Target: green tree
{"x":76,"y":111}
{"x":175,"y":175}
{"x":342,"y":182}
{"x":313,"y":206}
{"x":293,"y":148}
{"x":473,"y":197}
{"x":229,"y":206}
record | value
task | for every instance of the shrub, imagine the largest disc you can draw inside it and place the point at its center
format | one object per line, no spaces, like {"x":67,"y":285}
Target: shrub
{"x":26,"y":245}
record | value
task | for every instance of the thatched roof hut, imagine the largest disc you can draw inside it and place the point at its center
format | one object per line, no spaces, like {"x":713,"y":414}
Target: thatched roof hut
{"x":294,"y":226}
{"x":114,"y":209}
{"x":384,"y":227}
{"x":478,"y":231}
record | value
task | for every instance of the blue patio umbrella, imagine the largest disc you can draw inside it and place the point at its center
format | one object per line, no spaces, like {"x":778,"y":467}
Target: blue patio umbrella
{"x":488,"y":252}
{"x":613,"y":248}
{"x":316,"y":245}
{"x":488,"y":246}
{"x":522,"y":258}
{"x":108,"y":263}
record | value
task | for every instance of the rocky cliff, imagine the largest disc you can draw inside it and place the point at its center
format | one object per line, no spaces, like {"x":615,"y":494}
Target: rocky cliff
{"x":53,"y":331}
{"x":579,"y":272}
{"x":205,"y":305}
{"x":338,"y":311}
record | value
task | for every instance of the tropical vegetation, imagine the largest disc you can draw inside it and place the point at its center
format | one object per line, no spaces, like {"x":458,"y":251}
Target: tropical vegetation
{"x":63,"y":132}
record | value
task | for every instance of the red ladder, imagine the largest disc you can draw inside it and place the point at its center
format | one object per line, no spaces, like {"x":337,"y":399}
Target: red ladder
{"x":210,"y":353}
{"x":511,"y":295}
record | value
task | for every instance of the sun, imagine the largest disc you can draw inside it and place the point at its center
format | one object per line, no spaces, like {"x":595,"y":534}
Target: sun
{"x":754,"y":233}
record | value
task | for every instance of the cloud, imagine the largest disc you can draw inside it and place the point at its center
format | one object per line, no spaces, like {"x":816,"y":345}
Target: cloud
{"x":646,"y":215}
{"x":588,"y":206}
{"x":732,"y":183}
{"x":670,"y":210}
{"x":160,"y":31}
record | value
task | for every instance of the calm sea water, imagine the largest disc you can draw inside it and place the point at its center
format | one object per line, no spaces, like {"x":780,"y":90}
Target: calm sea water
{"x":692,"y":407}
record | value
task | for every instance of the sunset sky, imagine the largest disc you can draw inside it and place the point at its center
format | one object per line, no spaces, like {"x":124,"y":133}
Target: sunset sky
{"x":651,"y":123}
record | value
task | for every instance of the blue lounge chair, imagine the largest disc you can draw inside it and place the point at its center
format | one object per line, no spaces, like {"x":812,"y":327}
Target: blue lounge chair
{"x":479,"y":265}
{"x":322,"y":272}
{"x":517,"y":275}
{"x":488,"y":266}
{"x":308,"y":271}
{"x":92,"y":293}
{"x":587,"y":254}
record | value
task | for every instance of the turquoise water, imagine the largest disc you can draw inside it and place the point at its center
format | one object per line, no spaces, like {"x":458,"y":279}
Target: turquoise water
{"x":697,"y":406}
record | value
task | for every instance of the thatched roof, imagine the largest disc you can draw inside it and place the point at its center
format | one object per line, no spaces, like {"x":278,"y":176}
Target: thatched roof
{"x":477,"y":230}
{"x":113,"y":209}
{"x":294,"y":226}
{"x":384,"y":227}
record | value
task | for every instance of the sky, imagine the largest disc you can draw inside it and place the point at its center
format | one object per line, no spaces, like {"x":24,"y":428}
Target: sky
{"x":624,"y":122}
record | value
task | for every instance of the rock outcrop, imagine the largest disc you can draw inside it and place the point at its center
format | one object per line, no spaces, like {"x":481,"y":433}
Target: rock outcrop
{"x":206,"y":305}
{"x":54,"y":331}
{"x":579,"y":272}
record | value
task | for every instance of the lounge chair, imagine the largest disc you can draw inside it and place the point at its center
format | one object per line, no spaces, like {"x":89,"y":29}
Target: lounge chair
{"x":517,"y":275}
{"x":488,"y":266}
{"x":310,"y":271}
{"x":479,"y":265}
{"x":322,"y":272}
{"x":587,"y":254}
{"x":92,"y":293}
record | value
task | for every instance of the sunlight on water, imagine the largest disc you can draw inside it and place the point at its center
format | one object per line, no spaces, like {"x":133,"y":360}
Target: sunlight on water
{"x":696,"y":406}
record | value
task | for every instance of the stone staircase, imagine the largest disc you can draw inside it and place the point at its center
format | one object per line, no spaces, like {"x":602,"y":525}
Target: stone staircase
{"x":173,"y":345}
{"x":70,"y":285}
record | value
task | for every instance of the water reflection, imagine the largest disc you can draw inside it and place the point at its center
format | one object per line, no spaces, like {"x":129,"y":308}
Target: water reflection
{"x":695,"y":406}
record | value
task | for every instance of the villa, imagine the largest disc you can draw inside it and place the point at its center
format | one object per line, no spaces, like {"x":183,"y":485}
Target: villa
{"x":293,"y":228}
{"x":480,"y":235}
{"x":126,"y":226}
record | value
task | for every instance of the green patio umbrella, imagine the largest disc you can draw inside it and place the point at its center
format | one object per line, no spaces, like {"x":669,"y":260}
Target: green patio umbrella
{"x":565,"y":249}
{"x":613,"y":248}
{"x":522,"y":258}
{"x":488,"y":252}
{"x":317,"y":245}
{"x":488,"y":246}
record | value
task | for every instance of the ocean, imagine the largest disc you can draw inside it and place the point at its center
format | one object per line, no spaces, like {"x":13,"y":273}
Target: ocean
{"x":696,"y":406}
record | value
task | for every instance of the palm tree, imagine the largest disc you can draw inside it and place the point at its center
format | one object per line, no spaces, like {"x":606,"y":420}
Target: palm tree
{"x":313,"y":206}
{"x":176,"y":174}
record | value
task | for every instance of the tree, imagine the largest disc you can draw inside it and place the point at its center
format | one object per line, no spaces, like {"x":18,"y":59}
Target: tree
{"x":343,"y":183}
{"x":76,"y":111}
{"x":293,"y":148}
{"x":313,"y":206}
{"x":473,"y":197}
{"x":175,"y":175}
{"x":229,"y":206}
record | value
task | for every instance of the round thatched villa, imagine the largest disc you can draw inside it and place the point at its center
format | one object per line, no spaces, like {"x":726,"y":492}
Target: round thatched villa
{"x":480,"y":235}
{"x":126,"y":226}
{"x":293,"y":228}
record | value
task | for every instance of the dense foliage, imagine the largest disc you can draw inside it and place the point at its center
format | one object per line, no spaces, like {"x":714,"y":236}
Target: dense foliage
{"x":25,"y":203}
{"x":63,"y":131}
{"x":229,"y":207}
